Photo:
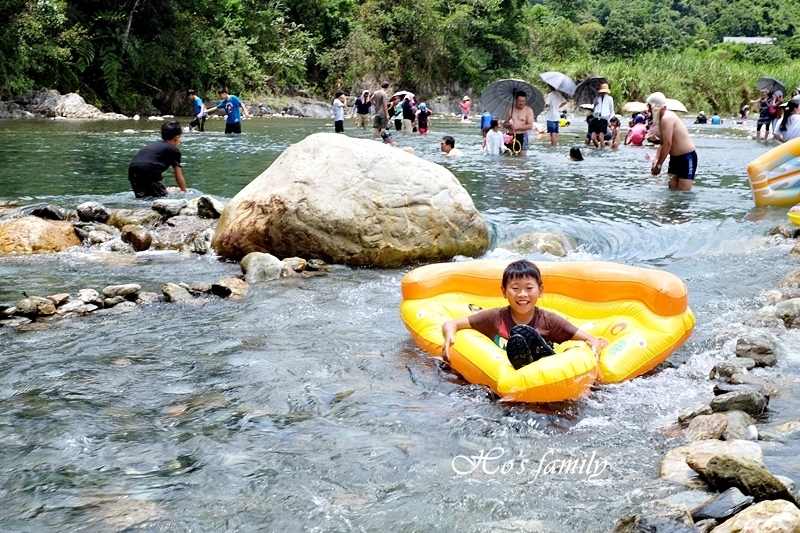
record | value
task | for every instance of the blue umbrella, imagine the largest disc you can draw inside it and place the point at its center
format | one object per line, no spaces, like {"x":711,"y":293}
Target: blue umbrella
{"x":559,"y":81}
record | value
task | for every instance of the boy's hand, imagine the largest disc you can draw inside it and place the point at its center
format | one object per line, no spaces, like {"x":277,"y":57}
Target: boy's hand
{"x":597,"y":344}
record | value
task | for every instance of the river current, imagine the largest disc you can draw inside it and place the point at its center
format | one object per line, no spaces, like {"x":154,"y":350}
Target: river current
{"x":306,"y":406}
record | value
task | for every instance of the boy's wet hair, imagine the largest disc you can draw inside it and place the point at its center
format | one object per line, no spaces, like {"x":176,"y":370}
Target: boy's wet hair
{"x":521,"y":269}
{"x":339,"y":93}
{"x":170,"y":130}
{"x":494,"y":123}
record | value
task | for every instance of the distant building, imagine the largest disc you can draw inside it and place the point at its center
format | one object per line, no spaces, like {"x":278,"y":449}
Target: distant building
{"x":749,"y":40}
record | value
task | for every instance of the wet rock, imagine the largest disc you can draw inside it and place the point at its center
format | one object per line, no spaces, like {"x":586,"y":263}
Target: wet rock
{"x":656,"y":516}
{"x":59,"y":299}
{"x":726,"y":369}
{"x":15,"y":322}
{"x":35,"y":306}
{"x":749,"y":379}
{"x":740,"y":426}
{"x":176,"y":293}
{"x":92,"y":212}
{"x":234,"y":288}
{"x":181,"y":232}
{"x":209,"y":207}
{"x":201,"y":288}
{"x":705,"y":526}
{"x":372,"y":205}
{"x":298,"y":264}
{"x":788,"y":311}
{"x":137,"y":236}
{"x":202,"y":243}
{"x":764,"y":517}
{"x":124,"y":306}
{"x":73,"y":308}
{"x":121,"y":247}
{"x":723,"y":388}
{"x":146,"y":298}
{"x":147,"y":218}
{"x":316,"y":265}
{"x":791,"y":280}
{"x":261,"y":267}
{"x":760,"y":349}
{"x":89,"y":296}
{"x":32,"y":235}
{"x":687,"y":416}
{"x":723,"y":506}
{"x":750,"y":477}
{"x":707,"y":427}
{"x":111,"y":302}
{"x":555,"y":243}
{"x":782,"y":432}
{"x":674,"y":467}
{"x":127,"y":290}
{"x":169,"y":208}
{"x":98,"y":237}
{"x":49,"y":212}
{"x":751,"y":402}
{"x":787,"y":482}
{"x":191,"y":209}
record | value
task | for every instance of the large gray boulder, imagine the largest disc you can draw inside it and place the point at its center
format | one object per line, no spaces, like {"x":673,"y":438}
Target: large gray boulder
{"x":352,"y":201}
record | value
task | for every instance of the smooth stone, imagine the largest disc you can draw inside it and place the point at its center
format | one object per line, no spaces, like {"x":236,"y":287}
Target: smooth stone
{"x":99,"y":237}
{"x":209,"y":207}
{"x":750,"y":402}
{"x":146,"y":298}
{"x":723,"y":388}
{"x":125,"y":306}
{"x":759,"y":349}
{"x":15,"y":322}
{"x":127,"y":290}
{"x":750,"y":379}
{"x":121,"y":247}
{"x":707,"y":427}
{"x":656,"y":516}
{"x":234,"y":288}
{"x":776,"y":516}
{"x":555,"y":243}
{"x":182,"y":231}
{"x":316,"y":264}
{"x":723,"y":506}
{"x":726,"y":369}
{"x":35,"y":306}
{"x":788,"y":311}
{"x":782,"y":432}
{"x":146,"y":218}
{"x":111,"y":302}
{"x":138,"y":237}
{"x":59,"y":299}
{"x":175,"y":293}
{"x":687,"y":416}
{"x":33,"y":235}
{"x":674,"y":467}
{"x":261,"y":267}
{"x":169,"y":208}
{"x":706,"y":526}
{"x":750,"y":477}
{"x":740,"y":426}
{"x":75,"y":307}
{"x":298,"y":264}
{"x":92,"y":212}
{"x":201,"y":288}
{"x":787,"y":482}
{"x":49,"y":212}
{"x":88,"y":296}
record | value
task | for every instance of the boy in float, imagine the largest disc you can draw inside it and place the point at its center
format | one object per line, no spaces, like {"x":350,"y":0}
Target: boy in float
{"x":200,"y":112}
{"x":145,"y":169}
{"x":524,"y":330}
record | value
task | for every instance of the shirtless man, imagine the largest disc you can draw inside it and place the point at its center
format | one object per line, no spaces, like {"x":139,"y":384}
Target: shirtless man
{"x":520,"y":121}
{"x":676,"y":143}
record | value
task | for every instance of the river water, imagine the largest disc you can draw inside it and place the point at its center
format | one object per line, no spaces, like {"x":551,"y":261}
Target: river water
{"x":306,"y":406}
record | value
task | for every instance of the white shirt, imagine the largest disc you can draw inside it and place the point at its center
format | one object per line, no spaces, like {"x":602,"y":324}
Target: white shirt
{"x":604,"y":106}
{"x":792,"y":129}
{"x":338,"y":110}
{"x":494,"y":143}
{"x":554,"y":101}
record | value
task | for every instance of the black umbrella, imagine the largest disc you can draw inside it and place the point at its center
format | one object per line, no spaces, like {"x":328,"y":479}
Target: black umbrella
{"x":498,"y":97}
{"x":770,"y":85}
{"x":586,"y":91}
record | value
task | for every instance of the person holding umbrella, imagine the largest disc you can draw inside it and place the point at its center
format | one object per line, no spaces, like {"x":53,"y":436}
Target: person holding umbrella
{"x":764,"y":115}
{"x":520,"y":122}
{"x":553,"y":102}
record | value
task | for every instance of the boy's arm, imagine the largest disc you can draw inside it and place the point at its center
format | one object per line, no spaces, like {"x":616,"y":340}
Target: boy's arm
{"x":179,"y":178}
{"x":244,"y":109}
{"x":203,"y":111}
{"x":449,"y":329}
{"x":596,"y":344}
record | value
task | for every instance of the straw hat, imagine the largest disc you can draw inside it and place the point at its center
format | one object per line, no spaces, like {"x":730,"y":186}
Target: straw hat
{"x":465,"y":98}
{"x":604,"y":88}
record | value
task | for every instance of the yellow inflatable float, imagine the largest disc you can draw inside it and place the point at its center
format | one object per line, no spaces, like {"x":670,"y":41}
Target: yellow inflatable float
{"x":643,"y":313}
{"x":775,"y":176}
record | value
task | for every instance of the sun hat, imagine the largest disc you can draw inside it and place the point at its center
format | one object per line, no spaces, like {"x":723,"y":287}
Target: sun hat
{"x":423,"y":106}
{"x":703,"y":113}
{"x":465,"y":97}
{"x":657,"y":100}
{"x":604,"y":88}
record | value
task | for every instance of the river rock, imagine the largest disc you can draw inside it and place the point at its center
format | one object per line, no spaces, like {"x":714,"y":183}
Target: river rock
{"x":99,"y":237}
{"x":88,"y":295}
{"x":73,"y":308}
{"x":146,"y":298}
{"x":707,"y":427}
{"x":32,"y":235}
{"x":723,"y":388}
{"x":751,"y":402}
{"x":183,"y":232}
{"x":788,"y":311}
{"x":92,"y":212}
{"x":723,"y":506}
{"x":169,"y":208}
{"x":751,"y":477}
{"x":745,"y":378}
{"x":35,"y":306}
{"x":775,"y":516}
{"x":233,"y":288}
{"x":726,"y":369}
{"x":790,"y":280}
{"x":782,"y":432}
{"x":138,"y":217}
{"x":316,"y":265}
{"x":59,"y":299}
{"x":209,"y":207}
{"x":127,"y":290}
{"x":706,"y":526}
{"x":136,"y":236}
{"x":352,"y":201}
{"x":686,"y":417}
{"x":308,"y":108}
{"x":15,"y":322}
{"x":555,"y":243}
{"x":260,"y":267}
{"x":48,"y":212}
{"x":176,"y":293}
{"x":740,"y":426}
{"x":202,"y":243}
{"x":759,"y":349}
{"x":111,"y":302}
{"x":191,"y":208}
{"x":675,"y":467}
{"x":656,"y":516}
{"x":297,"y":264}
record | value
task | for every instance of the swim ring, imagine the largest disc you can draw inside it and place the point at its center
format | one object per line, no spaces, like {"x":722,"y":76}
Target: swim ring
{"x":775,"y":175}
{"x":643,"y":313}
{"x":794,"y":217}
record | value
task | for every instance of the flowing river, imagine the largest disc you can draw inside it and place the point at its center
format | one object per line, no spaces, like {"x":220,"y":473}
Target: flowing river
{"x":306,"y":406}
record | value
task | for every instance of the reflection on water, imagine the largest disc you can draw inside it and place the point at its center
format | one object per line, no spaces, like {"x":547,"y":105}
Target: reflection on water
{"x":306,"y":405}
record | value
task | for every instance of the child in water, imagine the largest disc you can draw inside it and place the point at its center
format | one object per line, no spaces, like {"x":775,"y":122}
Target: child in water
{"x":613,"y":128}
{"x":494,"y":139}
{"x":524,"y":330}
{"x":575,"y":154}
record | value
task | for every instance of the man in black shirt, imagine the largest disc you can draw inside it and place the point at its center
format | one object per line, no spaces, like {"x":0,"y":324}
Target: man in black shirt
{"x":362,"y":106}
{"x":150,"y":162}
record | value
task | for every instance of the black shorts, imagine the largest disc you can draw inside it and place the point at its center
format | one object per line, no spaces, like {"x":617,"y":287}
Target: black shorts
{"x":398,"y":125}
{"x":598,"y":126}
{"x":199,"y":123}
{"x":338,"y":126}
{"x":233,"y":127}
{"x":146,"y":183}
{"x":683,"y":166}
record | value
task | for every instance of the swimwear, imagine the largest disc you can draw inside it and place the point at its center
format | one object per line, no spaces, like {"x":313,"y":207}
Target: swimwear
{"x":599,"y":126}
{"x":146,"y":183}
{"x":199,"y":123}
{"x":683,"y":166}
{"x":233,"y":127}
{"x":521,"y":140}
{"x":379,"y":121}
{"x":552,"y":126}
{"x":338,"y":126}
{"x":423,"y":131}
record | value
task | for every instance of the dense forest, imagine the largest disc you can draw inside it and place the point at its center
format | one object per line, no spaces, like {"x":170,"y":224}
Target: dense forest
{"x":119,"y":53}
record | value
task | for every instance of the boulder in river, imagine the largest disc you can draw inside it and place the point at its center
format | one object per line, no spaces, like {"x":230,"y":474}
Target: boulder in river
{"x":757,"y":348}
{"x":749,"y":401}
{"x":750,"y":477}
{"x":136,"y":236}
{"x":675,"y":465}
{"x":92,"y":212}
{"x":352,"y":201}
{"x":776,"y":516}
{"x":32,"y":235}
{"x":259,"y":267}
{"x":140,"y":217}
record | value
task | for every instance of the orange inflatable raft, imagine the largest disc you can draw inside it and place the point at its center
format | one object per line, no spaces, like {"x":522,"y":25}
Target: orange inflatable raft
{"x":643,"y":313}
{"x":775,"y":175}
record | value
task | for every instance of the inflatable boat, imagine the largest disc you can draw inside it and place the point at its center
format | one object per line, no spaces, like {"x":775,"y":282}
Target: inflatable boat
{"x":643,"y":313}
{"x":775,"y":175}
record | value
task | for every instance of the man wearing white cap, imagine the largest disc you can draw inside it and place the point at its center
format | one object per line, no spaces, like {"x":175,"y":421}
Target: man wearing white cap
{"x":675,"y":142}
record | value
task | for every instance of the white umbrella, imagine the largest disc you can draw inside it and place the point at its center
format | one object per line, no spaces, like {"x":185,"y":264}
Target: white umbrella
{"x":560,"y":82}
{"x":590,"y":107}
{"x":674,"y":105}
{"x":634,"y":107}
{"x":403,"y":94}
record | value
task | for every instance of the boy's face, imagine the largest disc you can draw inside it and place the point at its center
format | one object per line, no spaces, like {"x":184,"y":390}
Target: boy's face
{"x":522,"y":294}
